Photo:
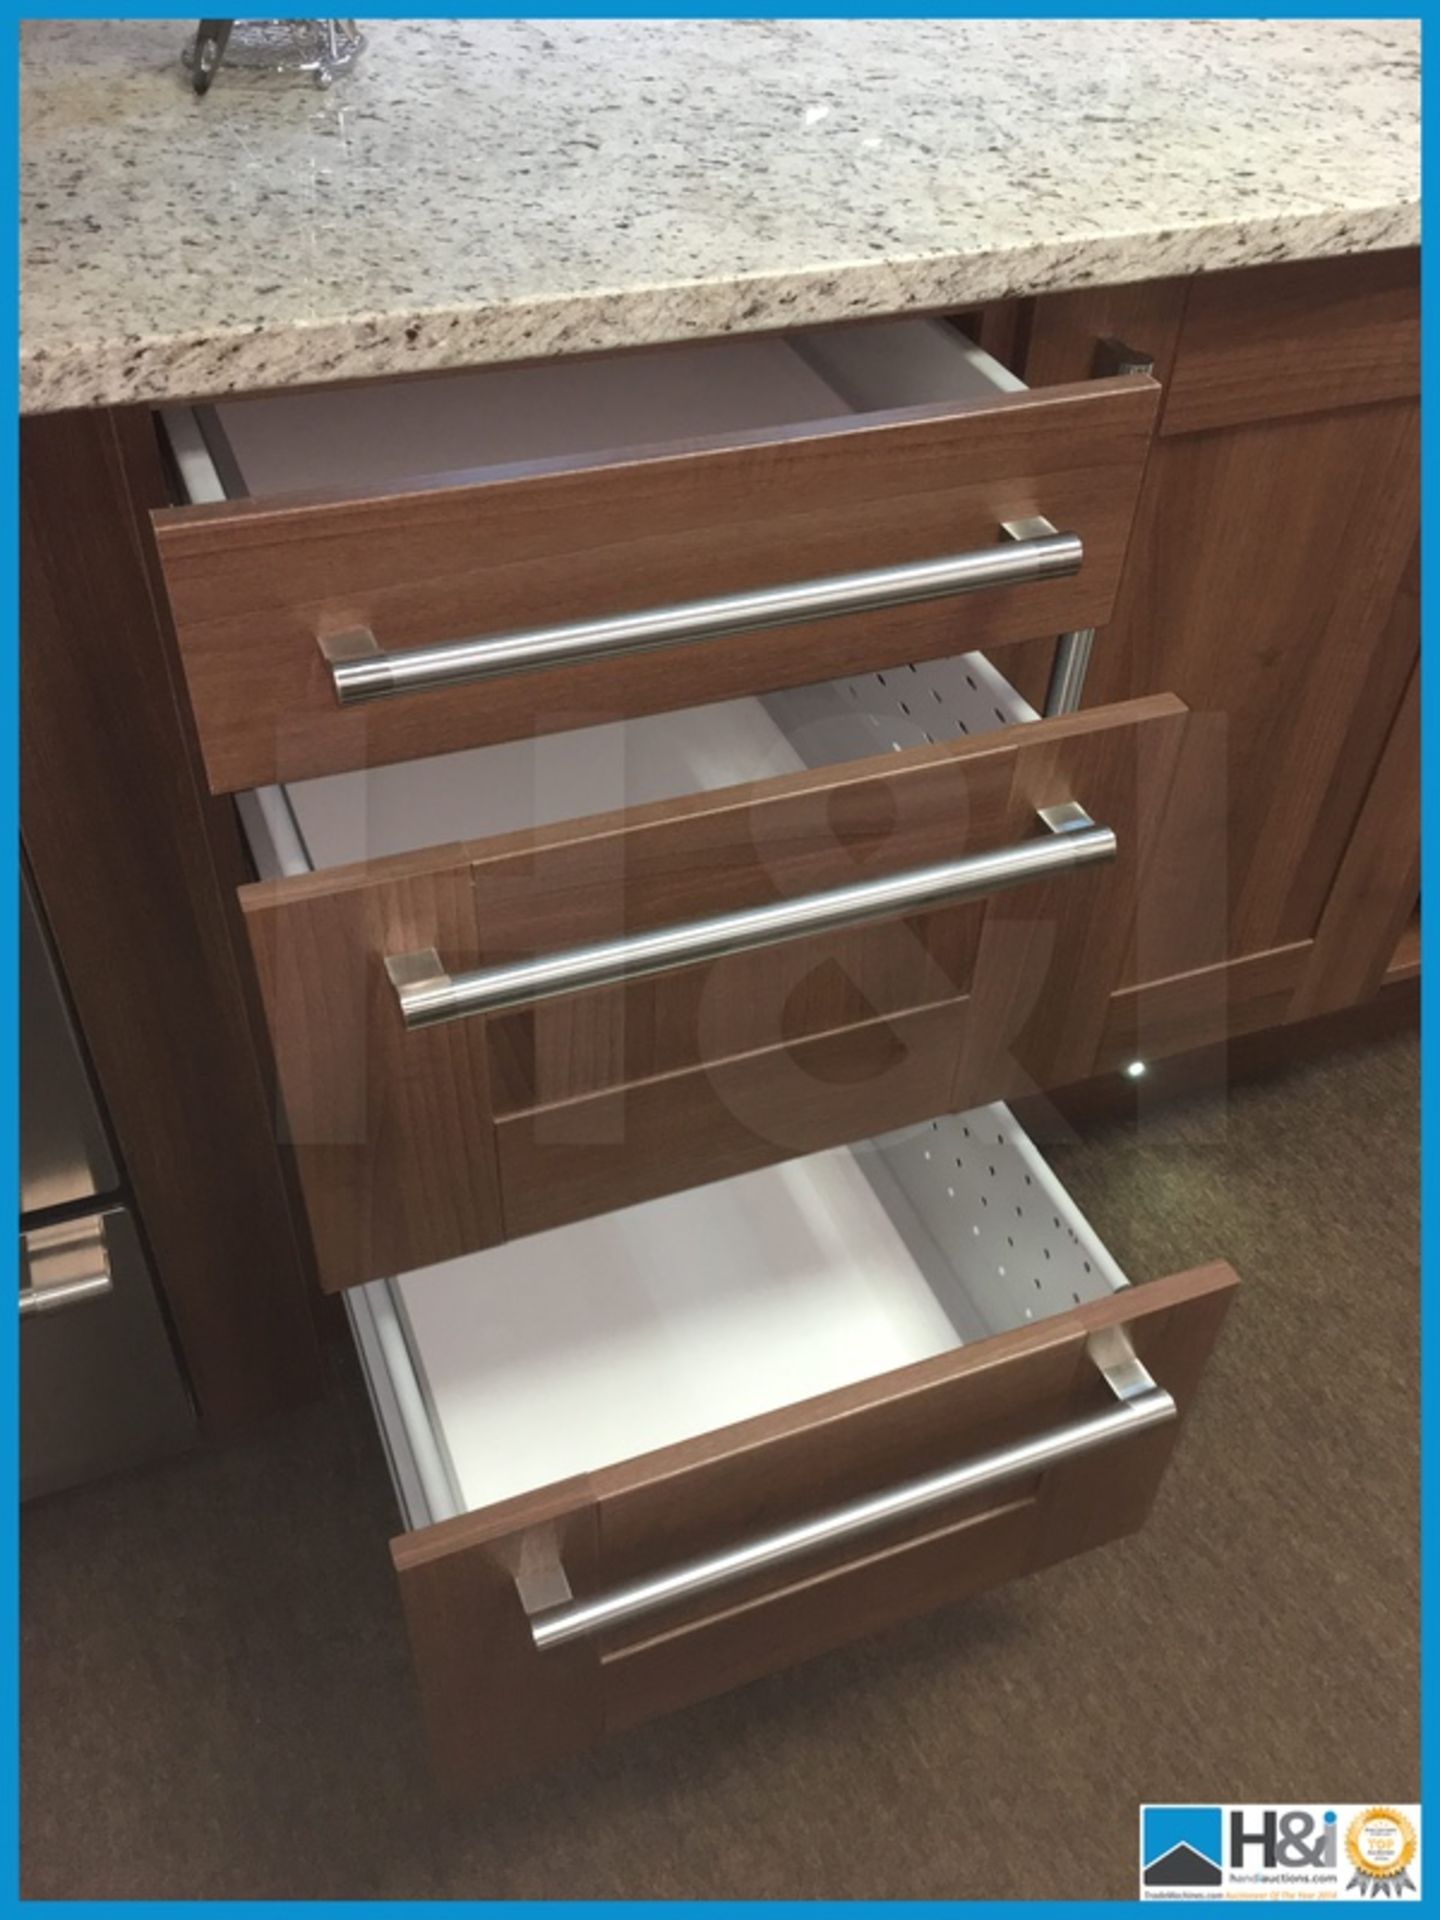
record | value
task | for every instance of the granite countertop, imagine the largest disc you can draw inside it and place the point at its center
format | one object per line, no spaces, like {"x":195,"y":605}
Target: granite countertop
{"x":486,"y":190}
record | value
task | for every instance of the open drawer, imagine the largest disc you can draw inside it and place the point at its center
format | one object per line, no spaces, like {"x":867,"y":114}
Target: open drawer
{"x":778,"y":941}
{"x":615,"y":537}
{"x":650,"y":1457}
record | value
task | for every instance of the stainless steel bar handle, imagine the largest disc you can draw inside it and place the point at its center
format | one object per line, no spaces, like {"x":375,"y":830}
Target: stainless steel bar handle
{"x":64,"y":1264}
{"x":361,"y":671}
{"x":429,"y":995}
{"x":1139,"y":1404}
{"x":67,"y":1293}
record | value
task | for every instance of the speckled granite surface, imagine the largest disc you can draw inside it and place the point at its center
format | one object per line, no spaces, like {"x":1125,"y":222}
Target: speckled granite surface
{"x":487,"y":190}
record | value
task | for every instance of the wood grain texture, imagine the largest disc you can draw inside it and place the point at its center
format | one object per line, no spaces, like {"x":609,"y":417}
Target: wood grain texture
{"x":391,"y":1131}
{"x":137,"y":867}
{"x":777,"y":997}
{"x":395,"y":1133}
{"x":1405,"y":961}
{"x":1305,"y":337}
{"x":998,"y":329}
{"x":1376,"y":890}
{"x":1269,"y":1045}
{"x":1199,"y":1008}
{"x":984,"y":1542}
{"x":614,"y":1149}
{"x":1065,"y":335}
{"x":253,"y":584}
{"x":705,"y":1493}
{"x":491,"y":1709}
{"x":1051,"y":956}
{"x":1060,"y":338}
{"x":1263,"y":570}
{"x":723,"y":1487}
{"x":1266,"y":585}
{"x":753,"y":845}
{"x":935,"y":1565}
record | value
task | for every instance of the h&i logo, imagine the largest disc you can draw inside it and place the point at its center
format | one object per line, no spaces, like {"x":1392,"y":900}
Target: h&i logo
{"x":1181,"y":1847}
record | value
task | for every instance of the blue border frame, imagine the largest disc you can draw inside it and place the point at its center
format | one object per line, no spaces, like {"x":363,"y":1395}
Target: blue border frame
{"x":9,"y":826}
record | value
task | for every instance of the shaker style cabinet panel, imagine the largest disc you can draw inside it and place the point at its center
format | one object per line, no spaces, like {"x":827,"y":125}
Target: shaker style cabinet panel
{"x":1314,"y":335}
{"x":1372,"y":905}
{"x":1270,"y":582}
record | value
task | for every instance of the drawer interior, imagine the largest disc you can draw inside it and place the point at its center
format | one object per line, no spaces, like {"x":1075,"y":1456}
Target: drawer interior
{"x":484,"y":424}
{"x":362,"y":575}
{"x":340,"y":819}
{"x":370,"y":815}
{"x":360,"y":819}
{"x":481,"y":422}
{"x":572,"y":1350}
{"x":500,"y":1372}
{"x":567,"y":1351}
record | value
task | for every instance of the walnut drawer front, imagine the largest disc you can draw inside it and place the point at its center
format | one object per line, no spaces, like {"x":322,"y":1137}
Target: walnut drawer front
{"x":577,"y":493}
{"x":648,"y":1458}
{"x":417,"y":1140}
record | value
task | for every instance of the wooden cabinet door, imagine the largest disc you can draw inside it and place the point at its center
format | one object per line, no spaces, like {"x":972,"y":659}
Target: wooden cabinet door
{"x":1271,"y":583}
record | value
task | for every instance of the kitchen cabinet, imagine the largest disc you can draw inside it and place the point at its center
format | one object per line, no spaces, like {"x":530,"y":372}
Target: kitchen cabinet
{"x":1272,"y":584}
{"x":136,"y":870}
{"x":812,"y":1017}
{"x":1259,"y":576}
{"x":716,"y":1308}
{"x":574,"y":833}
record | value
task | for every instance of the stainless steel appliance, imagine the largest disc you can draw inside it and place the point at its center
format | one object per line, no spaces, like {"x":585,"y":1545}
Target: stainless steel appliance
{"x":100,"y":1385}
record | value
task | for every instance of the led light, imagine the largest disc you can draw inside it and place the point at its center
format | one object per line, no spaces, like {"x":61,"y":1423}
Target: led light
{"x":1136,"y":1070}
